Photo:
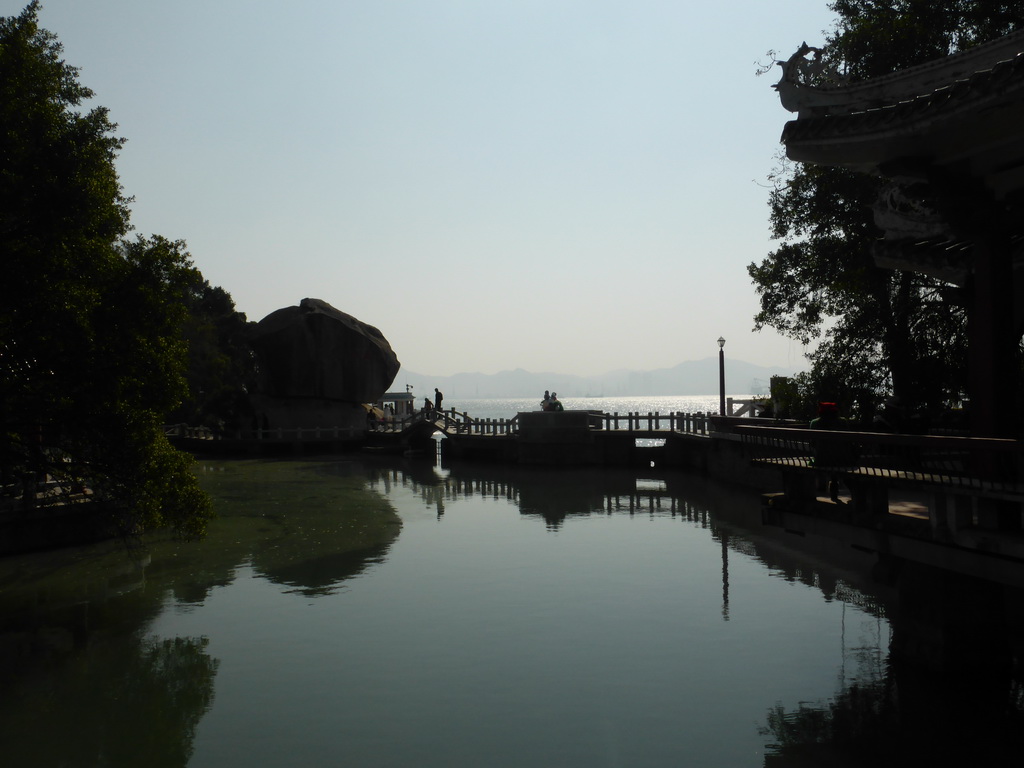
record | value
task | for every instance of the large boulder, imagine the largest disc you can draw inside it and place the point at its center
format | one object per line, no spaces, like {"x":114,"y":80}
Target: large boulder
{"x":313,"y":358}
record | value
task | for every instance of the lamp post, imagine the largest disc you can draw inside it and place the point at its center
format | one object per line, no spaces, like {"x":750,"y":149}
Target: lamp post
{"x":721,"y":376}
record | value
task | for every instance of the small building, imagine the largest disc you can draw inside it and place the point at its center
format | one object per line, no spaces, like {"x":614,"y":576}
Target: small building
{"x":399,"y":404}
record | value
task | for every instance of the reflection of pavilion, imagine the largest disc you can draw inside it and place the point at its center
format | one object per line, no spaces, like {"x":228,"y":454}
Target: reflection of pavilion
{"x":949,"y":135}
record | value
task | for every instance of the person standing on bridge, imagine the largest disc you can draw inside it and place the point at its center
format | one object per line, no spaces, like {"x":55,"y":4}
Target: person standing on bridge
{"x":556,"y":404}
{"x":438,"y":397}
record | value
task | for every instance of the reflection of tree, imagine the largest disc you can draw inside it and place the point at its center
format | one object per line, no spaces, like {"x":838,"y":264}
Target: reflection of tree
{"x":122,"y":701}
{"x":321,"y":574}
{"x":950,"y":693}
{"x":903,"y":720}
{"x":305,"y":524}
{"x":79,"y":684}
{"x":860,"y":726}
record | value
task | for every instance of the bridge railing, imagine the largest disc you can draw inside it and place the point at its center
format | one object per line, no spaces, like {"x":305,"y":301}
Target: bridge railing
{"x":687,"y":423}
{"x":464,"y":424}
{"x":184,"y":430}
{"x":285,"y":434}
{"x":969,"y":463}
{"x":453,"y":422}
{"x":308,"y":433}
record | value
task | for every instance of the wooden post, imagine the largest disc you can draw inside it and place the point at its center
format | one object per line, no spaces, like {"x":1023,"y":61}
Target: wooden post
{"x":721,"y":376}
{"x":991,"y":342}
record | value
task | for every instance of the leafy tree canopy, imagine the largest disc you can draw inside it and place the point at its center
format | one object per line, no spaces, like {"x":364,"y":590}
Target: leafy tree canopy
{"x":878,"y":332}
{"x":221,"y":367}
{"x":91,"y":353}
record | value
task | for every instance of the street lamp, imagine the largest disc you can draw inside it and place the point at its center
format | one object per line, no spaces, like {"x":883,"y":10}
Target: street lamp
{"x":721,"y":376}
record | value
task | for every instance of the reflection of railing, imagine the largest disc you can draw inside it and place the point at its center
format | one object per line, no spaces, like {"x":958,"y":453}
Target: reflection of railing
{"x":649,"y":498}
{"x":985,"y":465}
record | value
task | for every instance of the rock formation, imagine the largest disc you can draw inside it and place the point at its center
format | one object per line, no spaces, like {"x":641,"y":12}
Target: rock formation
{"x":316,"y":365}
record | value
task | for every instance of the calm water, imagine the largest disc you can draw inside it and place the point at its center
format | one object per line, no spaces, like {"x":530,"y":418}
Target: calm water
{"x":348,"y":613}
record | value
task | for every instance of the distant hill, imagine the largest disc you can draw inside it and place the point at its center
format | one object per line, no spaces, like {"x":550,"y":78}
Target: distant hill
{"x":695,"y":377}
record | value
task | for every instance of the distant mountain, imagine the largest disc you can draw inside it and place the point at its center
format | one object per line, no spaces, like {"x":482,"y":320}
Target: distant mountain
{"x":695,"y":377}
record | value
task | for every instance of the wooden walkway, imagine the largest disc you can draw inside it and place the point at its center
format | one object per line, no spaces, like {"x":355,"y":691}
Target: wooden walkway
{"x":970,"y":497}
{"x":986,"y":466}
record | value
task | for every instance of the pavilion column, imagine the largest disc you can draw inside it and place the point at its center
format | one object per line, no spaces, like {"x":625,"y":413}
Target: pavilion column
{"x":992,"y":352}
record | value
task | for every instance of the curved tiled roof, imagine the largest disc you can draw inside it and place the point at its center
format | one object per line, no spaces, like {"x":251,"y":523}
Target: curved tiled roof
{"x":970,"y":129}
{"x":1004,"y":82}
{"x":843,"y":97}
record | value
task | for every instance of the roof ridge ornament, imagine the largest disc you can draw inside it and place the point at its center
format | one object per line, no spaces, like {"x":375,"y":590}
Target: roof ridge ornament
{"x":803,"y":75}
{"x":812,"y":86}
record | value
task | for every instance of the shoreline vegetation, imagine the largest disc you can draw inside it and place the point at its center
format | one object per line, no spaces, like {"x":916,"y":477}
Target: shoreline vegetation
{"x":297,"y":527}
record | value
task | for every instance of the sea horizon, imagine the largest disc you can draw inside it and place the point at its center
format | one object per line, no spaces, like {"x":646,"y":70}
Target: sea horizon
{"x":507,"y":407}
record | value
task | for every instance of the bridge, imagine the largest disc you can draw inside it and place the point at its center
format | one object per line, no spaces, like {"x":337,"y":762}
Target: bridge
{"x":452,"y":423}
{"x":539,"y":437}
{"x":563,"y":437}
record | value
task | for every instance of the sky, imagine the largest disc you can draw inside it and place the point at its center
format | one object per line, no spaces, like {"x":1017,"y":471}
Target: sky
{"x":568,"y":186}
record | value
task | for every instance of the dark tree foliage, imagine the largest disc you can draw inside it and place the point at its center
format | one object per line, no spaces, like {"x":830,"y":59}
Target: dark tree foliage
{"x":879,"y":331}
{"x":876,"y":37}
{"x":120,"y":697}
{"x":91,"y":356}
{"x":221,"y":366}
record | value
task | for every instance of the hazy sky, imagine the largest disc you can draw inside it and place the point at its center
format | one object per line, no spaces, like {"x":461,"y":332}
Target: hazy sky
{"x":568,"y":186}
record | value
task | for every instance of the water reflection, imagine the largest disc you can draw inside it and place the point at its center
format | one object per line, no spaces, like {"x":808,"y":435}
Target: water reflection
{"x":553,"y":496}
{"x":732,"y":517}
{"x":943,"y":678}
{"x":82,"y":681}
{"x":309,"y":526}
{"x":907,"y":717}
{"x":115,"y":702}
{"x":929,"y":663}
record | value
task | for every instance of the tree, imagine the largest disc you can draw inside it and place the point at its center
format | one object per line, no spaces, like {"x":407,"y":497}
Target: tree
{"x":881,"y":332}
{"x":91,"y":355}
{"x":221,"y":366}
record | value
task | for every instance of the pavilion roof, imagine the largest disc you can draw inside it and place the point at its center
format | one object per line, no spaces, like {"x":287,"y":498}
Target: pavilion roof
{"x":972,"y":127}
{"x":949,"y":134}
